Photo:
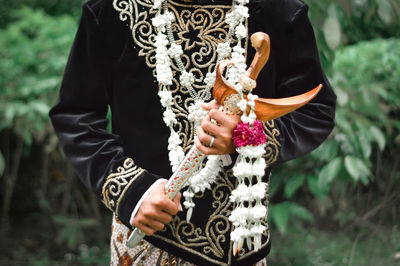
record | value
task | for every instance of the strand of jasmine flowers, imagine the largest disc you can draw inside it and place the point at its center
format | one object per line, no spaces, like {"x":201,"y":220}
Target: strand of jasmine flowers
{"x":223,"y":50}
{"x":213,"y":165}
{"x":247,"y":225}
{"x":222,"y":54}
{"x":186,"y":78}
{"x":246,"y":220}
{"x":210,"y":77}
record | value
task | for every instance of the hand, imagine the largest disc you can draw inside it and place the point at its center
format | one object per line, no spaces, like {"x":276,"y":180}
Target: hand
{"x":156,"y":210}
{"x":222,"y":131}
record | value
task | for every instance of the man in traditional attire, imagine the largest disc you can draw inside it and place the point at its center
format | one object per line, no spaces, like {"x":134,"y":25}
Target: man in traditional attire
{"x":113,"y":64}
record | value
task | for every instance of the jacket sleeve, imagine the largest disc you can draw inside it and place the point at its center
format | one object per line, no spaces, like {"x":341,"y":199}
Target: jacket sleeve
{"x":79,"y":119}
{"x":299,"y":70}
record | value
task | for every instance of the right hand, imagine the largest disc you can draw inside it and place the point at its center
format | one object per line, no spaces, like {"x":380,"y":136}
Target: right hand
{"x":156,"y":210}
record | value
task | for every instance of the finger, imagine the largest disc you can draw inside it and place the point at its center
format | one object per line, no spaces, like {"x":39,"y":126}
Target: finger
{"x":210,"y":128}
{"x":145,"y":229}
{"x":177,"y":201}
{"x":223,"y":143}
{"x":222,"y":135}
{"x":210,"y":105}
{"x":154,"y":224}
{"x":161,"y":216}
{"x":205,"y":138}
{"x":168,"y":206}
{"x":204,"y":149}
{"x":224,"y":119}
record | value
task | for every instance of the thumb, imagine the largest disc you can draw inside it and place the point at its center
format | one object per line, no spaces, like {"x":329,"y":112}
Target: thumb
{"x":177,"y":201}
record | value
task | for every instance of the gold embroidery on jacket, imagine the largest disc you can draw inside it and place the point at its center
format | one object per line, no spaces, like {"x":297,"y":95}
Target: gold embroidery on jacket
{"x":198,"y":28}
{"x":273,"y":145}
{"x":118,"y":183}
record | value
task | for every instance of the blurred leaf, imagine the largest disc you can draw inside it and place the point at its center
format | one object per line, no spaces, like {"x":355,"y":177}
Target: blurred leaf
{"x":71,"y":230}
{"x":326,"y":151}
{"x":357,"y":169}
{"x":274,"y":184}
{"x":40,"y":107}
{"x":279,"y":214}
{"x":332,"y":32}
{"x":329,"y":172}
{"x":293,"y":185}
{"x":300,"y":212}
{"x":364,"y":143}
{"x":385,"y":11}
{"x":32,"y":67}
{"x":379,"y":137}
{"x":316,"y":190}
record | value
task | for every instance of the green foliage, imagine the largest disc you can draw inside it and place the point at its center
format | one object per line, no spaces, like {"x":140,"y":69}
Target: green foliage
{"x":328,"y":173}
{"x":54,"y":7}
{"x":345,"y":22}
{"x":366,"y":78}
{"x":31,"y":67}
{"x":71,"y":232}
{"x":93,"y":255}
{"x":313,"y":247}
{"x":280,"y":214}
{"x":367,"y":82}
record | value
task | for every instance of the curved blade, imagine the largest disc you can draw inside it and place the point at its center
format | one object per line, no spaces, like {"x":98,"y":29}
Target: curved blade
{"x":265,"y":109}
{"x":268,"y":109}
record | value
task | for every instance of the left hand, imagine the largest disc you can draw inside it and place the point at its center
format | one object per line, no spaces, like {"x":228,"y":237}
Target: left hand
{"x":222,"y":131}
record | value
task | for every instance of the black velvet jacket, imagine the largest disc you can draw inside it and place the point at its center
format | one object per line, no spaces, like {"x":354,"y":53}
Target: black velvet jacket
{"x":112,"y":64}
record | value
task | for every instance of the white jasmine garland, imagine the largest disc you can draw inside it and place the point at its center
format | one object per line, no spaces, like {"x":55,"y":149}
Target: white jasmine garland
{"x":186,"y":79}
{"x":165,"y":98}
{"x":242,"y":104}
{"x":196,"y":113}
{"x":250,"y":164}
{"x":175,"y":50}
{"x":176,"y":153}
{"x":169,"y":117}
{"x":223,"y":50}
{"x":161,"y":21}
{"x":241,"y":12}
{"x":251,"y":151}
{"x":202,"y":181}
{"x":163,"y":68}
{"x":242,"y":2}
{"x":157,"y":4}
{"x":241,"y":31}
{"x":209,"y":80}
{"x":256,"y":213}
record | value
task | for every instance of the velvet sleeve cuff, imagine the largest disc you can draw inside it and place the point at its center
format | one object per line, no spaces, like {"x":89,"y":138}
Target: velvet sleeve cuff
{"x":123,"y":189}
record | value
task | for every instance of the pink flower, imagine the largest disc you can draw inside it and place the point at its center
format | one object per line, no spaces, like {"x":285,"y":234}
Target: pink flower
{"x":244,"y":134}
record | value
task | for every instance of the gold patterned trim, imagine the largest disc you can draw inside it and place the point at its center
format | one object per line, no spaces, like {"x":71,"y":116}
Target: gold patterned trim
{"x":118,"y":183}
{"x":198,"y":28}
{"x":273,"y":144}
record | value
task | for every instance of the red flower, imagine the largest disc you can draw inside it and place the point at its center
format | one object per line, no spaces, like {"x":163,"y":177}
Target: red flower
{"x":244,"y":134}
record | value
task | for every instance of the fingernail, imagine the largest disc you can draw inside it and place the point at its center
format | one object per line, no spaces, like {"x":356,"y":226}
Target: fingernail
{"x":180,"y":207}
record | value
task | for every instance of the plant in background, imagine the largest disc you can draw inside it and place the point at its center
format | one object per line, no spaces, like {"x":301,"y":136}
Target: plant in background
{"x":346,"y":22}
{"x":364,"y":145}
{"x":30,"y":68}
{"x":54,"y":7}
{"x":365,"y":78}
